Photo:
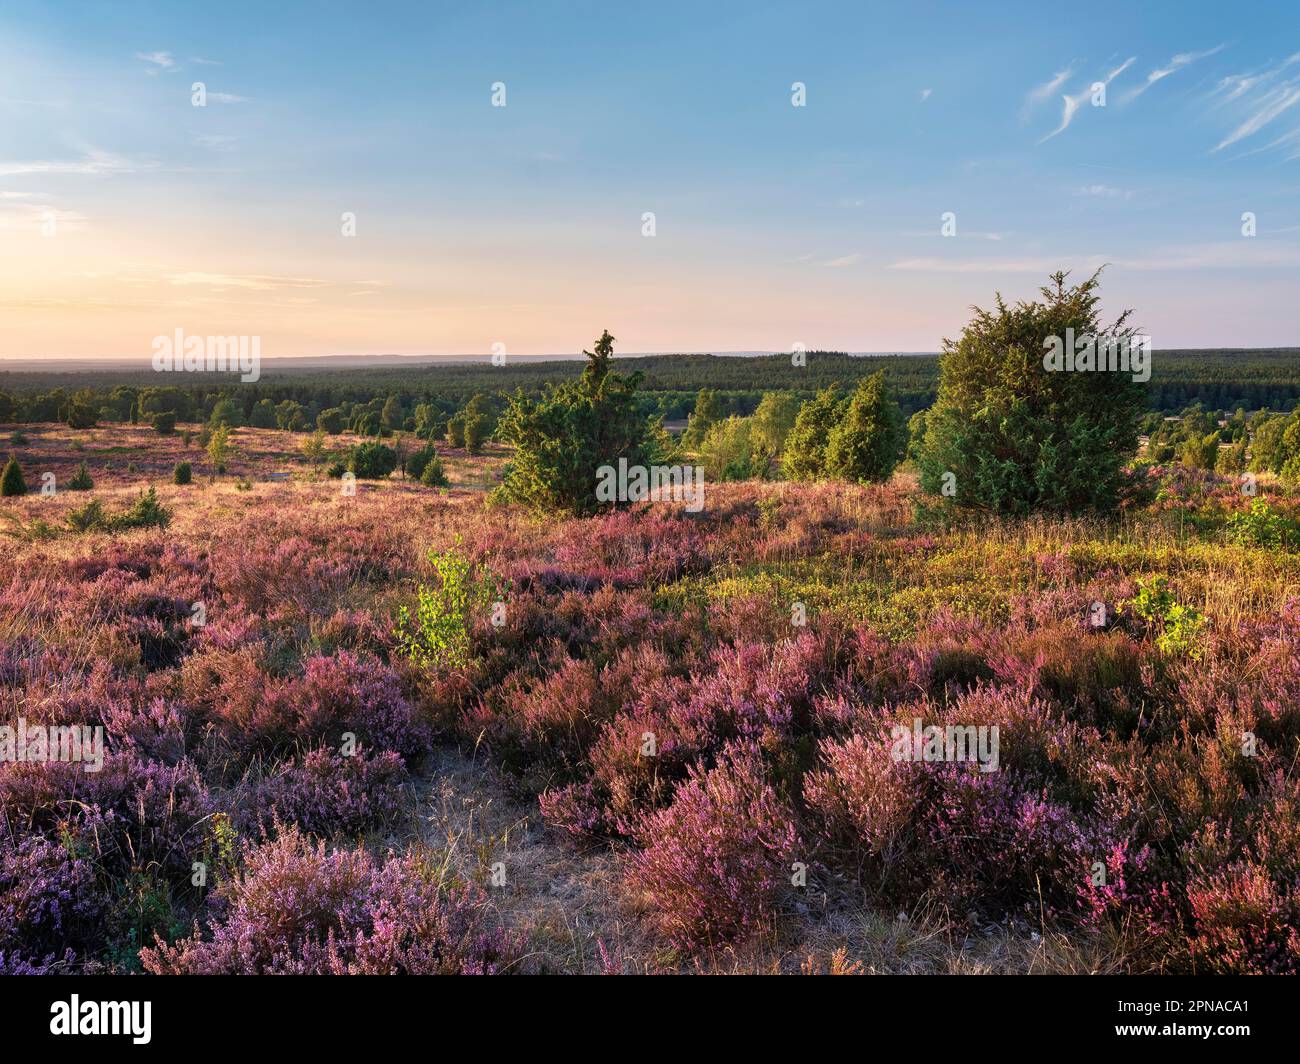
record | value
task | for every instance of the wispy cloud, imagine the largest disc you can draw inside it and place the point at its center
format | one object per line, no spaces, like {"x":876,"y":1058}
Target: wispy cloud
{"x":925,"y":94}
{"x":157,"y":61}
{"x":1175,"y":64}
{"x":214,"y":140}
{"x":31,"y":217}
{"x":93,"y":162}
{"x":205,"y":62}
{"x":843,"y":260}
{"x":1071,"y":104}
{"x":1046,"y":90}
{"x":1274,"y":103}
{"x":260,"y":282}
{"x":1105,"y":191}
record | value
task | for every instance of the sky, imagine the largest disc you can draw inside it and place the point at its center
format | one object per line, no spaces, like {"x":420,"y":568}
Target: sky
{"x":127,"y":212}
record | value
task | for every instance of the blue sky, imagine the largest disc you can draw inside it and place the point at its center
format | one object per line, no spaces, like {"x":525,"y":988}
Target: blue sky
{"x":523,"y":225}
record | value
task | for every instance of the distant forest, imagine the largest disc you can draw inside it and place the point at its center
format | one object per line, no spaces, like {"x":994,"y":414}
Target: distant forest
{"x":1217,"y":379}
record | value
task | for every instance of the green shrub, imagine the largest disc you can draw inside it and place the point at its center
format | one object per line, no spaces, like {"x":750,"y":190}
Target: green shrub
{"x":562,"y":439}
{"x":867,"y":441}
{"x":418,"y":459}
{"x":146,"y":512}
{"x":11,"y":480}
{"x":1177,"y":627}
{"x":432,"y":475}
{"x":82,"y":415}
{"x":730,"y":451}
{"x":1011,"y":436}
{"x":372,"y":460}
{"x":87,"y":518}
{"x":1260,"y":526}
{"x":80,"y":480}
{"x":437,"y":634}
{"x":475,"y":431}
{"x":707,"y":413}
{"x":805,"y":447}
{"x":330,"y":420}
{"x":164,"y":424}
{"x":456,"y":430}
{"x":1201,"y":452}
{"x":182,"y":473}
{"x":774,"y":419}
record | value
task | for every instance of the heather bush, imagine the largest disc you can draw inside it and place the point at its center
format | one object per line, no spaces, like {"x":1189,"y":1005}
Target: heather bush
{"x":132,"y":813}
{"x":716,"y":862}
{"x":49,"y":902}
{"x":297,"y":908}
{"x":864,"y":803}
{"x":346,"y":693}
{"x":325,"y":794}
{"x":653,"y":692}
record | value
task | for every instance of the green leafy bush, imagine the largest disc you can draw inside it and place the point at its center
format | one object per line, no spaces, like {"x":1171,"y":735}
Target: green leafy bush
{"x":164,"y":424}
{"x":182,"y":473}
{"x":1260,"y":526}
{"x":1177,"y":627}
{"x":145,"y":512}
{"x":436,"y":635}
{"x":87,"y":518}
{"x":730,"y":451}
{"x":330,"y":420}
{"x":432,"y":475}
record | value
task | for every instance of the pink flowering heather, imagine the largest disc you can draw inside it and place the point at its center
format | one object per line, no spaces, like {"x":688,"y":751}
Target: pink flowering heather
{"x":326,"y":794}
{"x":297,"y":908}
{"x":715,"y":863}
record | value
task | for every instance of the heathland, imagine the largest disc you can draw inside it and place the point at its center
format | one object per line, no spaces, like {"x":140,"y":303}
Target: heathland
{"x":654,"y":740}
